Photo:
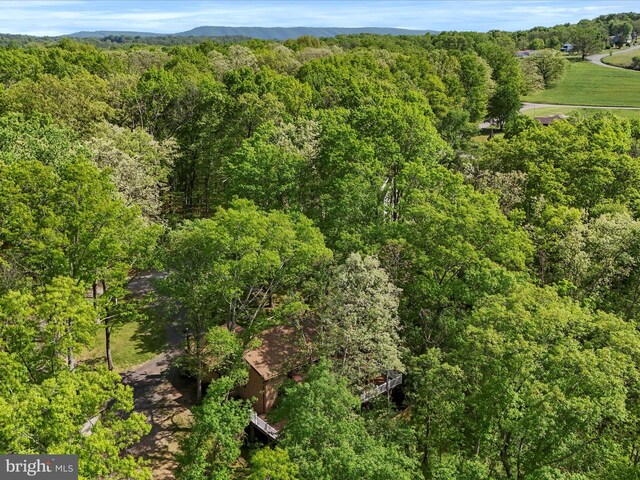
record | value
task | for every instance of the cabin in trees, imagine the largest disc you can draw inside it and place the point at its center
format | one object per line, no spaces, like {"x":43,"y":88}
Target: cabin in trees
{"x":282,"y":350}
{"x":283,"y":353}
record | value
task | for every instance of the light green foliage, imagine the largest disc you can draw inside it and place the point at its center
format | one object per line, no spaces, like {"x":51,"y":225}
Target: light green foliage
{"x":359,"y":321}
{"x":214,"y":441}
{"x":46,"y":329}
{"x":451,"y":246}
{"x":579,"y":164}
{"x":80,"y":101}
{"x":227,"y":270}
{"x":138,"y":165}
{"x":327,"y":439}
{"x":273,"y":464}
{"x":548,"y":378}
{"x":436,"y":397}
{"x":550,"y":64}
{"x":48,"y":418}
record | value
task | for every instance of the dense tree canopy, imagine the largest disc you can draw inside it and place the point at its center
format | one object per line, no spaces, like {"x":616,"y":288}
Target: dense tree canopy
{"x":331,"y":185}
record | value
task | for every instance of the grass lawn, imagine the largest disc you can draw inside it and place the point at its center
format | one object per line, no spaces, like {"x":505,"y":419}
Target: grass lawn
{"x":621,"y":59}
{"x":548,"y":111}
{"x":131,"y":345}
{"x":588,"y":84}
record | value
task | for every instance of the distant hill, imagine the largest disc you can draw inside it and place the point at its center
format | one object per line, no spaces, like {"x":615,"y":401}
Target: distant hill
{"x":264,"y":33}
{"x":106,"y":33}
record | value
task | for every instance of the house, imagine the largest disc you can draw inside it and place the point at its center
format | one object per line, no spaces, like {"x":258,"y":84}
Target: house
{"x":567,"y":47}
{"x":523,"y":53}
{"x":546,"y":121}
{"x":282,"y":350}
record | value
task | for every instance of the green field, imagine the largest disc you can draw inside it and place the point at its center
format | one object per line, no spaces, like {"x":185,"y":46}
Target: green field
{"x":588,"y":84}
{"x":131,"y":345}
{"x":621,"y":59}
{"x":548,"y":111}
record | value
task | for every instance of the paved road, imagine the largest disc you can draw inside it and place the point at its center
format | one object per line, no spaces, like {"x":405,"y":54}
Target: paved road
{"x":597,"y":59}
{"x":530,"y":106}
{"x":161,"y":395}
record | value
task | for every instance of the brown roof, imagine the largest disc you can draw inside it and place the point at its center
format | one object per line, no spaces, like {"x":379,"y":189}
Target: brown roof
{"x":551,"y":119}
{"x":283,"y":348}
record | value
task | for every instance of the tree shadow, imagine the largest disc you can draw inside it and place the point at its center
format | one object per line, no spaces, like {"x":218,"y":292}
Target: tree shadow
{"x":151,"y":334}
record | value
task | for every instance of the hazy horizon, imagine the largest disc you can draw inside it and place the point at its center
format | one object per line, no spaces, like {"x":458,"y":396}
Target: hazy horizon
{"x":60,"y":17}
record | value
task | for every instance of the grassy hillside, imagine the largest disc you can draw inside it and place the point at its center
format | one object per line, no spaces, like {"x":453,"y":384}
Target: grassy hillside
{"x":621,"y":59}
{"x":588,"y":84}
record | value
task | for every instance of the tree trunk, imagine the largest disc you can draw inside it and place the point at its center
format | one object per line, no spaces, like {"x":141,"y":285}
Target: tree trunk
{"x":107,"y":332}
{"x":199,"y":388}
{"x":504,"y":456}
{"x":70,"y":361}
{"x":107,"y":341}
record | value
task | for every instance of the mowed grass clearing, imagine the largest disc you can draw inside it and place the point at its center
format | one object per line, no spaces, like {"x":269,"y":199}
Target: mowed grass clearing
{"x":621,"y":59}
{"x":131,"y":344}
{"x":589,"y":84}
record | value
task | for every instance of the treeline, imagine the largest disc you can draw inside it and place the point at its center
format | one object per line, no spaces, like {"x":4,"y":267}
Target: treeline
{"x":331,"y":181}
{"x":608,"y":30}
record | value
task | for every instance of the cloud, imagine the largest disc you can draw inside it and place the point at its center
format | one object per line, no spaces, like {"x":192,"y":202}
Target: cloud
{"x":66,"y":16}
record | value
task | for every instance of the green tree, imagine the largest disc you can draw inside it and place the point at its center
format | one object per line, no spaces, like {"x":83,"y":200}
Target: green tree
{"x":326,"y":438}
{"x":214,"y":441}
{"x":53,"y":417}
{"x":551,"y":65}
{"x":504,"y":104}
{"x":548,"y":380}
{"x":228,"y":269}
{"x":587,"y":39}
{"x":359,"y":320}
{"x":273,"y":464}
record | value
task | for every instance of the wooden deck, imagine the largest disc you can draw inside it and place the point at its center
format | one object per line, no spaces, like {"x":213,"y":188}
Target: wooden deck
{"x":262,"y":425}
{"x":393,"y":380}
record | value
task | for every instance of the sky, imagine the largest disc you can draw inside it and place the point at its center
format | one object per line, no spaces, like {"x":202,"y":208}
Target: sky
{"x":58,"y":17}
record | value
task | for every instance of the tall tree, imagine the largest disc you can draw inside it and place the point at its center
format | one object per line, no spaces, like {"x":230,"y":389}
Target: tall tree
{"x":587,"y":39}
{"x":551,"y":65}
{"x":227,"y":270}
{"x":359,"y":320}
{"x":216,"y":437}
{"x":326,"y":438}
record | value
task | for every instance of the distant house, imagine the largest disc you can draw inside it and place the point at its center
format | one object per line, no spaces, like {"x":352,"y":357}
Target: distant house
{"x":523,"y":53}
{"x":546,"y":121}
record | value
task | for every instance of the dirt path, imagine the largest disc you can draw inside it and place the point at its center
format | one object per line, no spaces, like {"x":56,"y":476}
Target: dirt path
{"x":597,"y":59}
{"x":161,"y":395}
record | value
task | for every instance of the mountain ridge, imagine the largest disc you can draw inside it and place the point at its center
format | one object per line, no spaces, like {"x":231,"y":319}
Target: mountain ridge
{"x":262,"y":33}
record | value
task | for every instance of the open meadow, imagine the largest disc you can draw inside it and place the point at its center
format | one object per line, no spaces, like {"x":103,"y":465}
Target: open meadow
{"x":621,"y":59}
{"x":588,"y":84}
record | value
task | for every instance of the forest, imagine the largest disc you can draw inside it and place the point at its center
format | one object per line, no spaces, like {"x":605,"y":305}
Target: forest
{"x":329,"y":186}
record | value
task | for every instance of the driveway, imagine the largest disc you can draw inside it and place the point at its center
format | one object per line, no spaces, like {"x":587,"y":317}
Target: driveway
{"x":161,"y":395}
{"x":597,"y":59}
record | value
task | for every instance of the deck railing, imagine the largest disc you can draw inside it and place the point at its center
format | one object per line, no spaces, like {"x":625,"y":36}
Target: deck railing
{"x":393,"y":380}
{"x":263,"y":426}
